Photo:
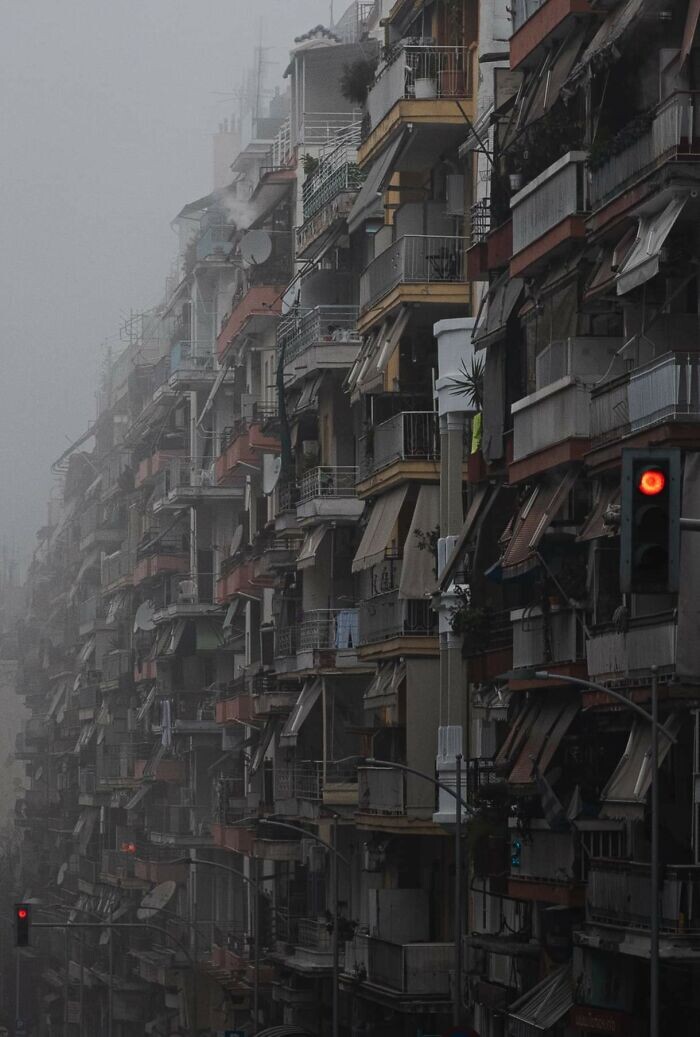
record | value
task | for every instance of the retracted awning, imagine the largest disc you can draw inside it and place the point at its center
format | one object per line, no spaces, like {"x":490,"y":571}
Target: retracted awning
{"x":501,"y":302}
{"x":84,"y":826}
{"x":147,"y":703}
{"x":369,"y":203}
{"x":218,"y":382}
{"x":209,"y":634}
{"x":547,"y":81}
{"x":532,"y":522}
{"x":483,"y":490}
{"x":384,"y":687}
{"x":312,"y":542}
{"x":376,"y":537}
{"x":554,"y":716}
{"x":543,"y":1006}
{"x":602,"y":47}
{"x":58,"y":696}
{"x":263,"y":745}
{"x":418,"y":569}
{"x":138,"y":797}
{"x":383,"y":348}
{"x":308,"y":398}
{"x":594,"y":526}
{"x":86,"y":651}
{"x":629,"y":783}
{"x":642,"y":263}
{"x":302,"y":707}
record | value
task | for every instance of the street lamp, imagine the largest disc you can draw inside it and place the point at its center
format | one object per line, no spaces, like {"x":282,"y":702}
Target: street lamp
{"x":459,"y":805}
{"x":653,"y":719}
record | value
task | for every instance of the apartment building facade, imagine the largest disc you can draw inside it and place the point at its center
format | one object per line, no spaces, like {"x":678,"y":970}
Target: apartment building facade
{"x":350,"y":486}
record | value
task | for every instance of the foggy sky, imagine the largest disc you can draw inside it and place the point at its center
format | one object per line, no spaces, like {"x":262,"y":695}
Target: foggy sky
{"x":107,"y":108}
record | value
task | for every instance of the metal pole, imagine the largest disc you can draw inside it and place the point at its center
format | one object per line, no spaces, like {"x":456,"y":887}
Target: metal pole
{"x":654,"y":941}
{"x":110,"y":988}
{"x":65,"y":979}
{"x":335,"y":944}
{"x":17,"y":989}
{"x":256,"y":927}
{"x":457,"y":992}
{"x":81,"y":1031}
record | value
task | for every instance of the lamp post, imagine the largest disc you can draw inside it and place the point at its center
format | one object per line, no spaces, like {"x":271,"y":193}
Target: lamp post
{"x":653,"y":719}
{"x":460,"y":805}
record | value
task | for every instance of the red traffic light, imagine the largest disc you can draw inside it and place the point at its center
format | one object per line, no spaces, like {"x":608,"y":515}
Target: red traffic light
{"x":651,"y":482}
{"x":22,"y":912}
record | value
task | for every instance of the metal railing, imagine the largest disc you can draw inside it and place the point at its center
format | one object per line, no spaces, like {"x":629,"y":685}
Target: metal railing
{"x":307,"y":779}
{"x":319,"y":128}
{"x":325,"y":326}
{"x":336,"y":172}
{"x":414,"y":259}
{"x":381,"y":790}
{"x":327,"y":481}
{"x":117,"y":566}
{"x":674,"y":130}
{"x":420,"y":73}
{"x":387,"y":616}
{"x":314,"y":935}
{"x":116,"y":664}
{"x":480,"y":220}
{"x":320,"y":629}
{"x":411,"y":968}
{"x":407,"y":436}
{"x":560,"y":192}
{"x":618,"y":894}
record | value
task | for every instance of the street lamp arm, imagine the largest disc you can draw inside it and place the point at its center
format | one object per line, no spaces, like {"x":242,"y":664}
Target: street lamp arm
{"x":307,"y":835}
{"x":421,"y":774}
{"x":592,"y":686}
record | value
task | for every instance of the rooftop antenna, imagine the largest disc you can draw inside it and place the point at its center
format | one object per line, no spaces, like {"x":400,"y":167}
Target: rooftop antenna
{"x":331,"y":16}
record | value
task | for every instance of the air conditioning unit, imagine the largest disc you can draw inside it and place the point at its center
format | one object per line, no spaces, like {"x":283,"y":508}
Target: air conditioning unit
{"x":445,"y":547}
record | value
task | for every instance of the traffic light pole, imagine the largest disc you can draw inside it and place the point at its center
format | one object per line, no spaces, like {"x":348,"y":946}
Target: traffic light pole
{"x":655,"y":891}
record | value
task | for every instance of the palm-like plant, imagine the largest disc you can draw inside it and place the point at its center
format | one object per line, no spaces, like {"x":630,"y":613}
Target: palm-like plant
{"x":470,"y":382}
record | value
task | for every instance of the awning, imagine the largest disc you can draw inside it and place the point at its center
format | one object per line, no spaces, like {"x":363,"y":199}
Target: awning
{"x":610,"y":260}
{"x":601,"y":48}
{"x":231,"y":613}
{"x":369,"y":203}
{"x":483,"y":490}
{"x":312,"y":542}
{"x":502,"y":299}
{"x":363,"y":359}
{"x":85,"y":826}
{"x":545,"y":84}
{"x":383,"y":348}
{"x":629,"y":783}
{"x":594,"y":526}
{"x":263,"y":745}
{"x":138,"y":797}
{"x":209,"y":635}
{"x":86,"y":651}
{"x":302,"y":707}
{"x":58,"y":696}
{"x":116,"y":606}
{"x":283,"y":1031}
{"x":160,"y":645}
{"x":642,"y":263}
{"x":309,"y":394}
{"x":382,"y":519}
{"x":418,"y":569}
{"x":691,"y":25}
{"x":218,"y":382}
{"x":532,"y":522}
{"x":176,"y":635}
{"x":554,"y":716}
{"x":147,"y":703}
{"x":476,"y":132}
{"x":384,"y":687}
{"x":87,"y":732}
{"x":543,"y":1006}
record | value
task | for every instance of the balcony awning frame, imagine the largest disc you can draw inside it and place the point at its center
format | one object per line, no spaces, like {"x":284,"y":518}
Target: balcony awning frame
{"x":382,"y":519}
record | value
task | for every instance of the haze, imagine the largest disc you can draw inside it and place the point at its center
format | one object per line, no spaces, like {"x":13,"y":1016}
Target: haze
{"x":107,"y":114}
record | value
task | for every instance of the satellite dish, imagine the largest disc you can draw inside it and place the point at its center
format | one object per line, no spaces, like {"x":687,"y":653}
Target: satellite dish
{"x":156,"y":900}
{"x":143,"y":620}
{"x":62,"y":873}
{"x":256,"y":247}
{"x":272,"y":468}
{"x":236,"y":539}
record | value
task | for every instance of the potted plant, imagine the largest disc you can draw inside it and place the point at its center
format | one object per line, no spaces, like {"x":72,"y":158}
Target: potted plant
{"x":356,"y":80}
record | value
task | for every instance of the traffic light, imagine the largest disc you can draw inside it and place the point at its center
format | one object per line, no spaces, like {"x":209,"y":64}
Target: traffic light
{"x":650,"y":521}
{"x":22,"y":919}
{"x":516,"y":850}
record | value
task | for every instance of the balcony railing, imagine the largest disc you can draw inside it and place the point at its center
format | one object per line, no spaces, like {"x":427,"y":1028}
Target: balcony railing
{"x":387,"y":616}
{"x":549,"y":199}
{"x":648,"y":642}
{"x":381,"y":791}
{"x":408,"y":436}
{"x":537,"y":638}
{"x":337,"y":172}
{"x":480,"y":220}
{"x":327,"y":481}
{"x":308,"y":778}
{"x":116,"y":665}
{"x":322,"y":128}
{"x":674,"y":133}
{"x":564,"y":857}
{"x":412,"y":968}
{"x":666,"y":389}
{"x":420,"y":73}
{"x":414,"y":259}
{"x":320,"y":629}
{"x":618,"y":894}
{"x":118,"y":567}
{"x":325,"y":326}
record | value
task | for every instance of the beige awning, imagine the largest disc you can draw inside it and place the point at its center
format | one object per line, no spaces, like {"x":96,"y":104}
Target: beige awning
{"x":555,"y":715}
{"x":418,"y":571}
{"x":481,"y":493}
{"x":629,"y":783}
{"x":532,"y":522}
{"x":382,"y":519}
{"x":312,"y":542}
{"x":308,"y":698}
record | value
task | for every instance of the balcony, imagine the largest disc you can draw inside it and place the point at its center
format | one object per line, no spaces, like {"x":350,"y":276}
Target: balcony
{"x":417,"y":268}
{"x":233,"y":837}
{"x":155,"y":769}
{"x":381,"y":791}
{"x":674,"y":135}
{"x":420,"y":86}
{"x":277,"y":553}
{"x":389,"y":624}
{"x":154,"y":865}
{"x":235,"y":710}
{"x":548,"y":213}
{"x":117,"y":666}
{"x":239,"y":576}
{"x":416,"y":971}
{"x":661,"y":391}
{"x":99,"y":527}
{"x":150,"y":466}
{"x":180,"y":825}
{"x":554,"y":866}
{"x":329,"y":192}
{"x":490,"y":650}
{"x":319,"y":339}
{"x":335,"y":784}
{"x":119,"y":869}
{"x":89,"y":700}
{"x":552,"y":640}
{"x":91,"y":615}
{"x":260,"y":304}
{"x":618,"y":895}
{"x":614,"y":655}
{"x":328,"y":494}
{"x":404,"y":447}
{"x":187,"y":482}
{"x":271,"y":697}
{"x":242,"y":446}
{"x":118,"y":569}
{"x":541,"y":23}
{"x":331,"y":634}
{"x":161,"y":562}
